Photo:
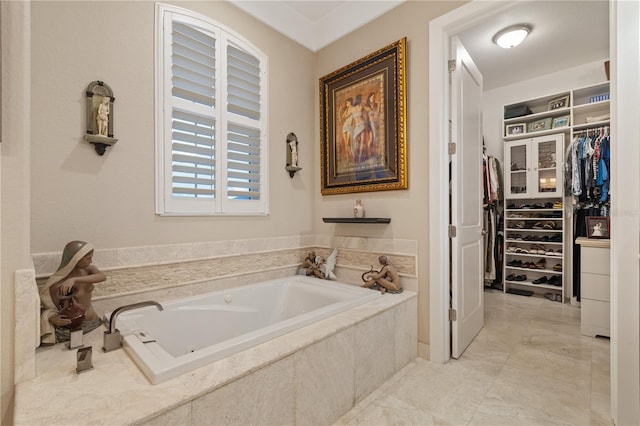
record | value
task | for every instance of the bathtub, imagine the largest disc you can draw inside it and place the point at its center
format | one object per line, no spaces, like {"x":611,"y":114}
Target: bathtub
{"x":194,"y":331}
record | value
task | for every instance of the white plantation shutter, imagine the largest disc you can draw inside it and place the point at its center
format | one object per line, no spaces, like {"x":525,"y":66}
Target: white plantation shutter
{"x":243,"y":162}
{"x":193,"y":68}
{"x":243,"y":136}
{"x":243,"y":83}
{"x":211,"y":131}
{"x":193,"y":155}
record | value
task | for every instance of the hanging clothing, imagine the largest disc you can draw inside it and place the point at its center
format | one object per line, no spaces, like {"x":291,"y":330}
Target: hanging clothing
{"x":587,"y":163}
{"x":587,"y":170}
{"x":492,"y":193}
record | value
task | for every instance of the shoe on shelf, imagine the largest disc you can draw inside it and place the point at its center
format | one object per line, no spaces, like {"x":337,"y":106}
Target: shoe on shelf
{"x":555,"y":280}
{"x":541,"y":264}
{"x":542,"y":249}
{"x":520,"y":278}
{"x":541,"y":280}
{"x":510,"y":277}
{"x":516,"y":263}
{"x":552,"y":297}
{"x":558,"y":298}
{"x":557,"y":267}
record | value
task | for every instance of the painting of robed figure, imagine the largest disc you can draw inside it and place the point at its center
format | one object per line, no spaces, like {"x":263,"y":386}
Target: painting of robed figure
{"x":363,"y":121}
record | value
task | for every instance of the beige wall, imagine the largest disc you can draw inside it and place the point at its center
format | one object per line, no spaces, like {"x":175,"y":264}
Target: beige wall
{"x":408,"y":210}
{"x":14,"y":190}
{"x":109,"y":200}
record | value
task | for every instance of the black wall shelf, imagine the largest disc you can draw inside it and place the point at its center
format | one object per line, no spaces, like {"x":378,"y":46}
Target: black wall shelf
{"x":356,"y":219}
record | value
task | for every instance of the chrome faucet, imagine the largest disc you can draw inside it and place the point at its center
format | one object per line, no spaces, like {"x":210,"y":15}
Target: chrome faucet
{"x":112,"y":338}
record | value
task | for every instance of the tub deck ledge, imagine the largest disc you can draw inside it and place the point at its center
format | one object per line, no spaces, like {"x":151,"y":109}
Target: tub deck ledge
{"x":116,"y":392}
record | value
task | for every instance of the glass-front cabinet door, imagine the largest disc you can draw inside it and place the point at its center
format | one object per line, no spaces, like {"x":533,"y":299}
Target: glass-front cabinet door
{"x":547,"y":167}
{"x":516,"y":165}
{"x":533,"y":167}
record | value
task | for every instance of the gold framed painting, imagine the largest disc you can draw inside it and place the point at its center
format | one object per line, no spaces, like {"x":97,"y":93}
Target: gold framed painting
{"x":363,"y":117}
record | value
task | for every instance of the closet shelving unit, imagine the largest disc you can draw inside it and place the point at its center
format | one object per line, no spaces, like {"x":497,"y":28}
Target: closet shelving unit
{"x":534,"y":216}
{"x":534,"y":234}
{"x":587,"y":108}
{"x":535,"y":147}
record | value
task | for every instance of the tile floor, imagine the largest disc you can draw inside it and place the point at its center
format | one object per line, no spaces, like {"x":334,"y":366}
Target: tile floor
{"x":528,"y":366}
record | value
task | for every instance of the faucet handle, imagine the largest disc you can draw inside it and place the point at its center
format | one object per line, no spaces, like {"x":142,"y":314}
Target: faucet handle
{"x":84,"y":359}
{"x":112,"y":341}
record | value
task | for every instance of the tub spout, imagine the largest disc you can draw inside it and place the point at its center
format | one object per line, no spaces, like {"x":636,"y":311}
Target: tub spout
{"x":112,"y":337}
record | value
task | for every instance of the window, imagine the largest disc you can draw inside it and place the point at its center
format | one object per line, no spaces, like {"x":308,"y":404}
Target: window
{"x":210,"y":134}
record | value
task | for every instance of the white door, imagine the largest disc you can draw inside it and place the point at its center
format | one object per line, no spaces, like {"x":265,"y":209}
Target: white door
{"x":467,"y":266}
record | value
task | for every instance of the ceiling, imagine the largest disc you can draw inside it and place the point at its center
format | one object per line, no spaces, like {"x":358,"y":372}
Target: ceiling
{"x":564,"y":33}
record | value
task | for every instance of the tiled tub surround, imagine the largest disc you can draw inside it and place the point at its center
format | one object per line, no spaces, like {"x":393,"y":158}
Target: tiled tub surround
{"x":194,"y":331}
{"x":128,"y":274}
{"x":165,"y":273}
{"x":168,"y":272}
{"x":309,"y":376}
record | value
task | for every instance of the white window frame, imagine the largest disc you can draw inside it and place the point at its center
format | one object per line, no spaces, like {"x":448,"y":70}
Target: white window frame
{"x":220,"y":204}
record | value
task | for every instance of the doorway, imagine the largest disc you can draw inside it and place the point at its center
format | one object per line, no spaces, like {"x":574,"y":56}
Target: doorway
{"x":625,"y":323}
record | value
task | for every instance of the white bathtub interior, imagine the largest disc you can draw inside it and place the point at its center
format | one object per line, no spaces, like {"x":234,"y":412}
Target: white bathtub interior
{"x":194,"y":331}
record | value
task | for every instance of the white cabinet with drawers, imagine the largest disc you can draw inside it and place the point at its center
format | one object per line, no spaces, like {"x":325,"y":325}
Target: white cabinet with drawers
{"x":594,"y":287}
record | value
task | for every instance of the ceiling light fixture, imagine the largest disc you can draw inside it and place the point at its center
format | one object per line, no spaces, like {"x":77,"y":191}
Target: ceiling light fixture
{"x":511,"y":36}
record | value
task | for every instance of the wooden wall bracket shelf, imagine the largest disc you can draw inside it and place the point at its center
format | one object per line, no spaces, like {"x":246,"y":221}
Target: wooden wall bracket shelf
{"x":356,"y":220}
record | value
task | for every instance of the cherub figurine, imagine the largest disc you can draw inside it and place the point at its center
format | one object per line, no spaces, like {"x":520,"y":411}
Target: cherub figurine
{"x":102,"y":116}
{"x":68,"y":291}
{"x":318,"y":266}
{"x":386,"y":279}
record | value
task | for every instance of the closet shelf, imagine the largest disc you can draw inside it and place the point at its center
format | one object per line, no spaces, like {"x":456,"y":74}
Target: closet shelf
{"x":577,"y":127}
{"x":534,"y":210}
{"x":537,"y":116}
{"x":578,"y":105}
{"x":356,"y":220}
{"x":532,"y":230}
{"x":537,"y":219}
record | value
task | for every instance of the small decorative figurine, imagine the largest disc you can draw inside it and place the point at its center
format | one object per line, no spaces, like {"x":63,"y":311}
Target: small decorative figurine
{"x":358,"y":210}
{"x":66,"y":296}
{"x":318,"y":267}
{"x":293,"y":146}
{"x":292,"y":154}
{"x":100,"y":116}
{"x":386,"y":279}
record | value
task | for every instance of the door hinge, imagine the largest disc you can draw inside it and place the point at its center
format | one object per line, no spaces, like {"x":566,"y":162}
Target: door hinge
{"x":452,"y":231}
{"x":452,"y":65}
{"x":452,"y":148}
{"x":453,"y":314}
